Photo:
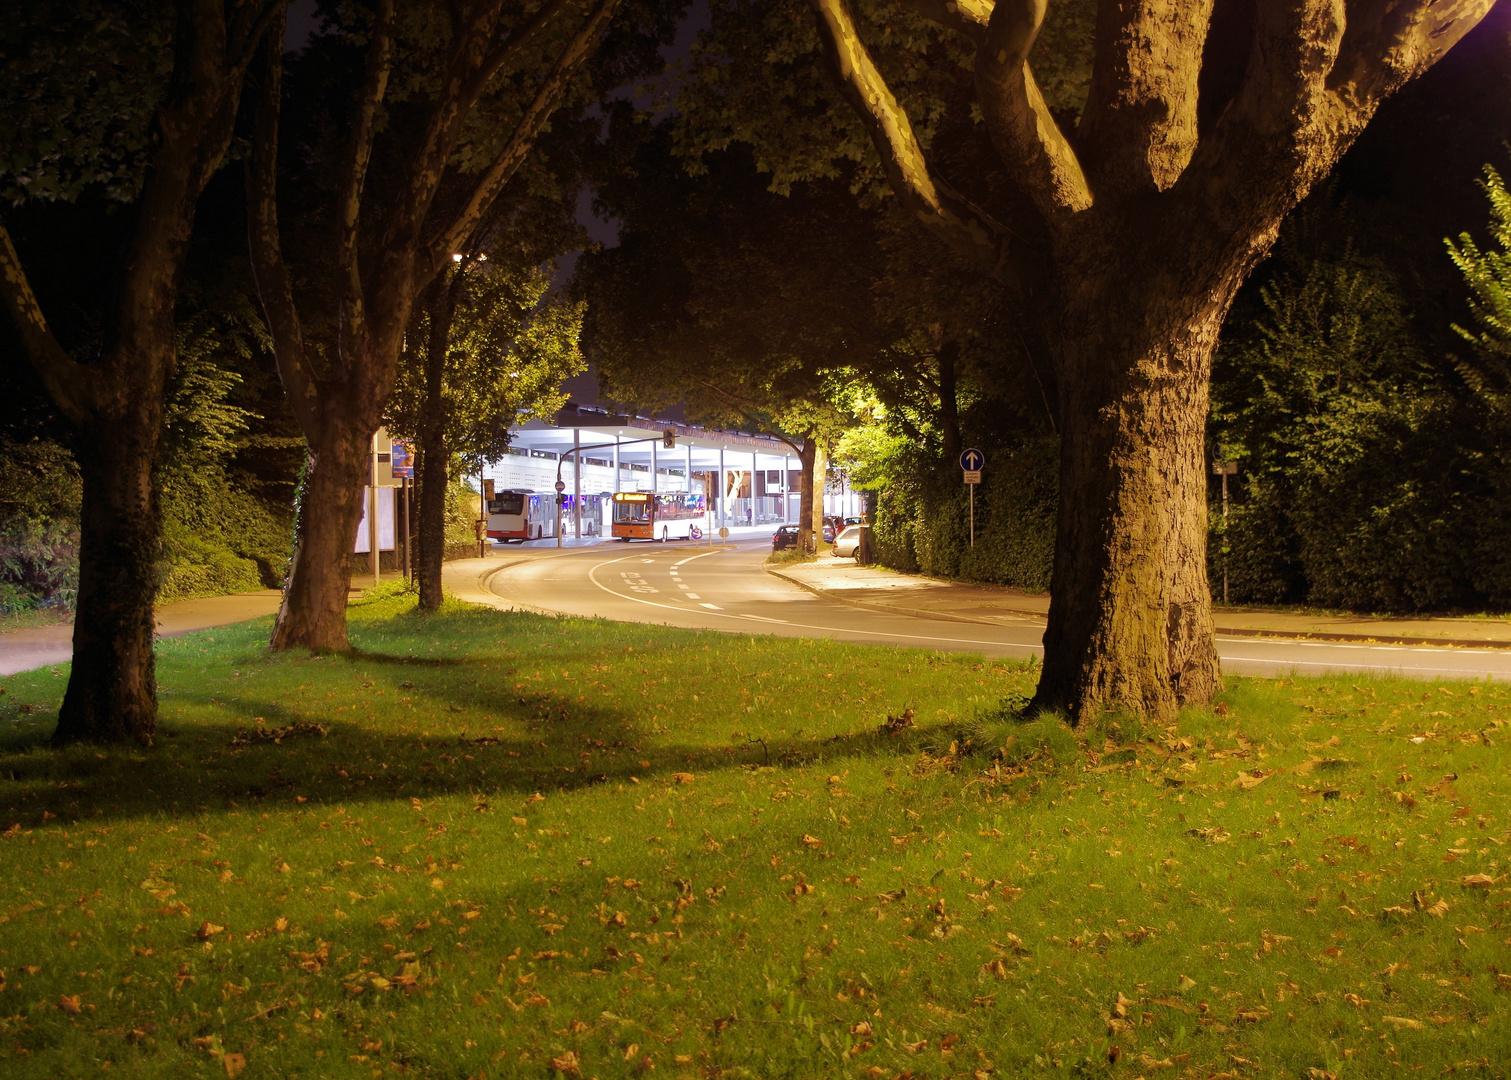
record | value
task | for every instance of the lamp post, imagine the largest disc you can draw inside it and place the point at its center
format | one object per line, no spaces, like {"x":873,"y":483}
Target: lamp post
{"x":1224,"y":469}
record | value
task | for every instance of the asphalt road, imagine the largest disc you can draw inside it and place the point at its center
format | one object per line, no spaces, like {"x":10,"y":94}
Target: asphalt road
{"x":728,"y":589}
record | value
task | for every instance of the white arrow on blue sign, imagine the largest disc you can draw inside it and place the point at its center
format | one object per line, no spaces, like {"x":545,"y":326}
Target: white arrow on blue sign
{"x":972,"y":460}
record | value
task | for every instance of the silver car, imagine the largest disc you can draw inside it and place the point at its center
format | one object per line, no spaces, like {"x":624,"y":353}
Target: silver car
{"x":846,"y":544}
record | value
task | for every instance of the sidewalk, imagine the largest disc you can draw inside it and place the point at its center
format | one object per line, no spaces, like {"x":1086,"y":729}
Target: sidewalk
{"x":886,"y":590}
{"x":22,"y":650}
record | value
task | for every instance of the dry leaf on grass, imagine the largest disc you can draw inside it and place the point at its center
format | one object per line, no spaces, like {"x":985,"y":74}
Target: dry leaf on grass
{"x":234,"y":1064}
{"x":683,"y":778}
{"x":1403,"y":1023}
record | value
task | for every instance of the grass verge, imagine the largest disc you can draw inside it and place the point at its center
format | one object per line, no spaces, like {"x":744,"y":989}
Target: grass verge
{"x":495,"y":844}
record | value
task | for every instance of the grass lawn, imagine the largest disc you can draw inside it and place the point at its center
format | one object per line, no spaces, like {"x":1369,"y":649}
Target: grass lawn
{"x":529,"y":846}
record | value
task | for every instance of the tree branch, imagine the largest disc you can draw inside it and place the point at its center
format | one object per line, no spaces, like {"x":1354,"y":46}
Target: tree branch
{"x":739,"y":405}
{"x":964,"y":227}
{"x":1138,"y":129}
{"x":967,"y":17}
{"x":264,"y":243}
{"x":519,"y":143}
{"x":505,"y":52}
{"x":66,"y":380}
{"x":1018,"y":120}
{"x":1386,"y":45}
{"x":248,"y":29}
{"x":352,"y":312}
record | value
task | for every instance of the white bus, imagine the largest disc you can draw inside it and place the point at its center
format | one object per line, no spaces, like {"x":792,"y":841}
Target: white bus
{"x":520,"y":514}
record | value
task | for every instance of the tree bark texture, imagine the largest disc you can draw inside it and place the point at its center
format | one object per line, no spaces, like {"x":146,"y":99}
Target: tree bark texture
{"x":313,"y":612}
{"x":806,"y":458}
{"x":1130,"y":621}
{"x":1145,"y":226}
{"x":112,"y":688}
{"x":441,"y":298}
{"x":116,"y":403}
{"x":820,"y":477}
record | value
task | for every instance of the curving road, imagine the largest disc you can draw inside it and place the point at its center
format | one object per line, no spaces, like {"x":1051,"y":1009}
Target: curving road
{"x":727,"y":588}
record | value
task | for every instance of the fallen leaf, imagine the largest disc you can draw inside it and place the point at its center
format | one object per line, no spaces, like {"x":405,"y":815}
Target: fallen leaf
{"x":1476,"y":881}
{"x":683,"y":778}
{"x":567,"y":1064}
{"x":234,"y":1064}
{"x":812,"y":842}
{"x":1403,"y":1023}
{"x":207,"y":930}
{"x":1186,"y":982}
{"x":69,"y":1003}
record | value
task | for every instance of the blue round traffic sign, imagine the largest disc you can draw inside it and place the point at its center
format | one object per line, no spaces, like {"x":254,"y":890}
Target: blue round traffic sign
{"x":972,"y":460}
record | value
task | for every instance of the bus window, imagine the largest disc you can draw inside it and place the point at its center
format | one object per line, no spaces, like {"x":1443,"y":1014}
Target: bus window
{"x":632,"y":512}
{"x":507,"y":502}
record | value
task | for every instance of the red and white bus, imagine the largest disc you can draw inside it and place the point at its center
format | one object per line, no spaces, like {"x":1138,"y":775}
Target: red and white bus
{"x":520,"y":514}
{"x":639,"y":515}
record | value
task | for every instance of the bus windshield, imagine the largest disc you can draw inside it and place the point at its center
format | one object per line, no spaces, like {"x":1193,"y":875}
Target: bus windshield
{"x":507,"y":502}
{"x":632,"y":511}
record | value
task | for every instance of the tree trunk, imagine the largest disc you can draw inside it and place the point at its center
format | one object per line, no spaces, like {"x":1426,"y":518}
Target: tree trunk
{"x":112,"y":688}
{"x":1130,"y":619}
{"x":820,"y":476}
{"x":949,"y":400}
{"x":805,"y":495}
{"x":432,"y":539}
{"x":441,"y":299}
{"x":313,"y":613}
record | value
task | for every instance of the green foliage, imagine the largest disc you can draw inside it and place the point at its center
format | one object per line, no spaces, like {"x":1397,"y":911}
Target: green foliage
{"x":79,"y":80}
{"x":39,"y":527}
{"x":462,"y":509}
{"x":1487,"y":272}
{"x":1366,"y":471}
{"x":511,"y":345}
{"x":922,"y":514}
{"x":757,"y":77}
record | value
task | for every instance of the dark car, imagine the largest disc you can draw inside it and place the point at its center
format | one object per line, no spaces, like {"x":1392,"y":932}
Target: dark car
{"x":785,"y":537}
{"x":828,"y":532}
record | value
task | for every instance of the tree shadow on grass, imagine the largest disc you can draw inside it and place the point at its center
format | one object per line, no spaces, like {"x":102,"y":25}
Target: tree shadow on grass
{"x":199,"y":767}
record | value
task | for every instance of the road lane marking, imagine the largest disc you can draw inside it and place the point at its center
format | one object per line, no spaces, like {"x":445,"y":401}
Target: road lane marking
{"x":706,"y":554}
{"x":1038,"y":648}
{"x":693,"y":596}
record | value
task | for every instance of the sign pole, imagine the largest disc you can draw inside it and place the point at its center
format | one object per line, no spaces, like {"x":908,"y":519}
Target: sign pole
{"x":970,"y":463}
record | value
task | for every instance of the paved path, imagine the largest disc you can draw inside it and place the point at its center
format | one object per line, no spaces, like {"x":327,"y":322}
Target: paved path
{"x":22,"y":650}
{"x":843,"y":580}
{"x":728,"y":588}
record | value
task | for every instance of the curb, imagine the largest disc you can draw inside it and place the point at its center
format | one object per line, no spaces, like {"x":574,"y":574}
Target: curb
{"x":1300,"y":635}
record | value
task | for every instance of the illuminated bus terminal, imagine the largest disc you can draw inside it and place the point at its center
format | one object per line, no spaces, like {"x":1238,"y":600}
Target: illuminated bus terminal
{"x":742,"y":479}
{"x":729,"y":479}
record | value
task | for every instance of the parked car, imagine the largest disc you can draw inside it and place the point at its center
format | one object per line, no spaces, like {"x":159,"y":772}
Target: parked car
{"x":783,"y":538}
{"x":848,"y":542}
{"x":853,"y":521}
{"x":828,"y":533}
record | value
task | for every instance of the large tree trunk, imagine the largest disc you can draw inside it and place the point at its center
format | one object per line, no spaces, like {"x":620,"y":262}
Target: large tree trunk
{"x":441,"y":298}
{"x":820,"y":477}
{"x":313,"y":613}
{"x":432,"y":540}
{"x":1130,"y":619}
{"x":112,"y":688}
